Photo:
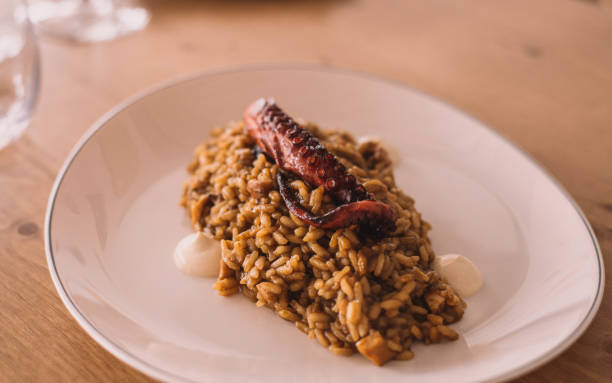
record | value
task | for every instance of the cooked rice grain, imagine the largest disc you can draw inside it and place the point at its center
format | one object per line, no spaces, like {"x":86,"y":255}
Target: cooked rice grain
{"x":337,"y":286}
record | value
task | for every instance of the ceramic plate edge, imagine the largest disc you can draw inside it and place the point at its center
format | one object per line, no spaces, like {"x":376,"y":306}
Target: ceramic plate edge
{"x":157,"y":373}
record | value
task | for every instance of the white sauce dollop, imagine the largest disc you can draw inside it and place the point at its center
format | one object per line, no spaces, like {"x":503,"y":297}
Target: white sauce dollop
{"x":460,"y":272}
{"x":198,"y":255}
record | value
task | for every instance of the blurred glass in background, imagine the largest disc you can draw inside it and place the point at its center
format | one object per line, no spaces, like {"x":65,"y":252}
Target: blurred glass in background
{"x":19,"y":70}
{"x":89,"y":21}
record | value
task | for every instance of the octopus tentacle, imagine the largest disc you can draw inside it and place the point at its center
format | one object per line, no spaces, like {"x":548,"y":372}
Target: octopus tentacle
{"x":296,"y":150}
{"x":365,"y":213}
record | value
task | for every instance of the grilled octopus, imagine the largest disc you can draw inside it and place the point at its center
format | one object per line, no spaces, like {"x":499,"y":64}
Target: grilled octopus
{"x":297,"y":151}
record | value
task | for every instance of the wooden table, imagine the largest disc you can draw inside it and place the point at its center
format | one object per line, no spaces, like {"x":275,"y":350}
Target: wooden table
{"x":539,"y":72}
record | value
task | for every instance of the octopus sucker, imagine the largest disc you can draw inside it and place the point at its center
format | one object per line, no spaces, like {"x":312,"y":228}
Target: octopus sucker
{"x":295,"y":150}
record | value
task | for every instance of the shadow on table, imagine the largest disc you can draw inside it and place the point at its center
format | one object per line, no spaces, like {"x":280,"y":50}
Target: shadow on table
{"x":310,"y":6}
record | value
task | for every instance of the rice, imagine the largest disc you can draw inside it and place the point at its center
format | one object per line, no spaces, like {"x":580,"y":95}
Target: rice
{"x":346,"y":290}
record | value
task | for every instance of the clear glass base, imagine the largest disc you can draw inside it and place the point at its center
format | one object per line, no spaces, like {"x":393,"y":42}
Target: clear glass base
{"x":89,"y":21}
{"x":11,"y":130}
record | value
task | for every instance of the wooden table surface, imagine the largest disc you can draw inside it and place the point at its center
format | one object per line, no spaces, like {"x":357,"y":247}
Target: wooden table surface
{"x":539,"y":72}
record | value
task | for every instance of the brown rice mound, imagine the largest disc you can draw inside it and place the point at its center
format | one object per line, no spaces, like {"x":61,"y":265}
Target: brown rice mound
{"x":347,"y":291}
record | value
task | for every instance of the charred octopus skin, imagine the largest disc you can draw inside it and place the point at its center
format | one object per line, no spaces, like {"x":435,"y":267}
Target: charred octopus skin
{"x":297,"y":151}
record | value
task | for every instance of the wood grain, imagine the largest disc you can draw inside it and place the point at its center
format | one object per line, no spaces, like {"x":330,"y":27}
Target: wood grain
{"x":538,"y":72}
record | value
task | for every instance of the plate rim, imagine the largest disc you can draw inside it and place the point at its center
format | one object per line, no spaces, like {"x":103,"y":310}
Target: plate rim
{"x":161,"y":374}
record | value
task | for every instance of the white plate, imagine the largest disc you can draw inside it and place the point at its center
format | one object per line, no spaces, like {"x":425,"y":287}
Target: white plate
{"x":113,"y":220}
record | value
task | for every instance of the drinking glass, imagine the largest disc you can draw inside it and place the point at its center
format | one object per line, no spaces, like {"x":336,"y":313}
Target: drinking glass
{"x":89,"y":21}
{"x":19,"y":70}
